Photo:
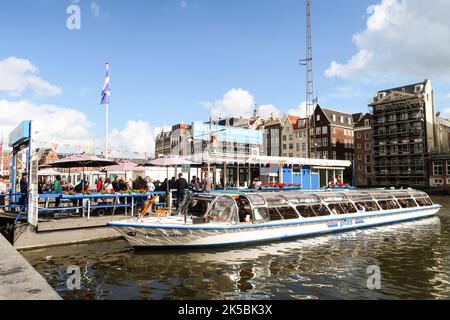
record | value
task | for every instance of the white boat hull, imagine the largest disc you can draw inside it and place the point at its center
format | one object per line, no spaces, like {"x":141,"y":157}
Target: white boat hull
{"x":172,"y":233}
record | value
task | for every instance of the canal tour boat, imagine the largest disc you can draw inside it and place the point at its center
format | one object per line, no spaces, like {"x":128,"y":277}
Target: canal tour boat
{"x":225,"y":219}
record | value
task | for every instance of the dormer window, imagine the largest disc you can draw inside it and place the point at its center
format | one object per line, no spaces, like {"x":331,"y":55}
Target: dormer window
{"x":342,"y":119}
{"x":318,"y":117}
{"x":334,"y":117}
{"x":367,"y":123}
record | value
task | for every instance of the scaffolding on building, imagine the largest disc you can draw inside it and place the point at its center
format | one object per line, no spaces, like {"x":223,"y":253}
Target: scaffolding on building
{"x":399,"y":132}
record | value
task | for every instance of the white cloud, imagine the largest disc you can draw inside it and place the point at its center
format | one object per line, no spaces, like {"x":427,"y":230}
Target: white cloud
{"x":18,"y":75}
{"x":53,"y":124}
{"x":446,"y":113}
{"x":299,"y":111}
{"x":137,"y":136}
{"x":402,"y":37}
{"x":238,"y":103}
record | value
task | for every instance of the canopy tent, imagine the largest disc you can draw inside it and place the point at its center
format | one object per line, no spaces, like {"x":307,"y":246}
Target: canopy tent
{"x":48,"y":172}
{"x":80,"y":161}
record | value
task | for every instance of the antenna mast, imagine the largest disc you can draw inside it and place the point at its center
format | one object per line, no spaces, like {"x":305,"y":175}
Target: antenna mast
{"x":308,"y":62}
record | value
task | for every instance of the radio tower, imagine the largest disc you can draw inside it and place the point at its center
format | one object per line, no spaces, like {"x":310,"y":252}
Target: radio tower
{"x":308,"y":62}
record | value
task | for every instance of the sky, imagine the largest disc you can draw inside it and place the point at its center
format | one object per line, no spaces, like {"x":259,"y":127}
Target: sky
{"x":175,"y":61}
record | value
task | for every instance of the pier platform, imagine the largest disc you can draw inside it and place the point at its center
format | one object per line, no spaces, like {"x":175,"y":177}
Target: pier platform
{"x":18,"y":279}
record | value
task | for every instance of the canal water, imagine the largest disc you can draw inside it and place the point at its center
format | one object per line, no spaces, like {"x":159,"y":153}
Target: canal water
{"x":413,"y":259}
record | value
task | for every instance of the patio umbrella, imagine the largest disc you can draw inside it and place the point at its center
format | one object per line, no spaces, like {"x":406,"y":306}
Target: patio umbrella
{"x":169,"y":161}
{"x":80,"y":161}
{"x":124,"y":166}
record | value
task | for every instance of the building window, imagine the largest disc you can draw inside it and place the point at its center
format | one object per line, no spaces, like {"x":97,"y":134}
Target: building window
{"x":369,"y":170}
{"x":325,"y":142}
{"x":333,"y":130}
{"x":284,"y":147}
{"x":334,"y":117}
{"x":318,"y":117}
{"x":368,"y":159}
{"x":358,"y":136}
{"x":291,"y":146}
{"x":334,"y":155}
{"x":367,"y":123}
{"x":325,"y":154}
{"x":324,"y":130}
{"x":439,"y":182}
{"x":368,"y":147}
{"x":291,"y":137}
{"x":438,"y":168}
{"x":284,"y":138}
{"x":342,"y":119}
{"x":297,"y":147}
{"x":349,"y":120}
{"x":333,"y":142}
{"x":383,"y":150}
{"x":359,"y":157}
{"x":367,"y":136}
{"x":359,"y":146}
{"x":318,"y":143}
{"x":448,"y":168}
{"x":304,"y":146}
{"x":360,"y":168}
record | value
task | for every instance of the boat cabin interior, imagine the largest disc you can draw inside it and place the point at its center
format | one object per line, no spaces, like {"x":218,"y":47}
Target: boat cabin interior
{"x":251,"y":208}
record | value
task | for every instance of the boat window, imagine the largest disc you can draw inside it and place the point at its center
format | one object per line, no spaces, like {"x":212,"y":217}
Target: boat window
{"x":256,"y":199}
{"x":260,"y":214}
{"x":245,"y":210}
{"x":306,"y":211}
{"x":382,"y":196}
{"x":407,"y":203}
{"x":276,"y":201}
{"x":288,"y":213}
{"x":321,"y":210}
{"x":334,"y":197}
{"x":349,"y":207}
{"x":223,"y":210}
{"x":422,"y":202}
{"x":342,"y":208}
{"x":198,"y":207}
{"x":367,"y":206}
{"x":360,"y":197}
{"x":274,"y":214}
{"x":388,"y":204}
{"x":428,"y":201}
{"x":302,"y":199}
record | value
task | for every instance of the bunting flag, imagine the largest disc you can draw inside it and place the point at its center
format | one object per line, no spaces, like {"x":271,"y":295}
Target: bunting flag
{"x":106,"y":93}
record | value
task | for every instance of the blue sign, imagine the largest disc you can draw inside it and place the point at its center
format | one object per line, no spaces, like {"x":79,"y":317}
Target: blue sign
{"x":20,"y":134}
{"x":201,"y":131}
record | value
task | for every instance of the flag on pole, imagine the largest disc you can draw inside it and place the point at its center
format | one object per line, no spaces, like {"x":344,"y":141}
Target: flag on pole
{"x":106,"y":93}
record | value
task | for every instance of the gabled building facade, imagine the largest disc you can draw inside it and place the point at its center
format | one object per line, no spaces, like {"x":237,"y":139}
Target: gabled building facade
{"x":294,"y":137}
{"x":331,"y":134}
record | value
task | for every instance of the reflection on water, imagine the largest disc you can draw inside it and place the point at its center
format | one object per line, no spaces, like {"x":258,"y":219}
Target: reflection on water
{"x":414,"y":259}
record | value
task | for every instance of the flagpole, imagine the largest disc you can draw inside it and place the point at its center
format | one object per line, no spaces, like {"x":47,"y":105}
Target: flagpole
{"x":106,"y":130}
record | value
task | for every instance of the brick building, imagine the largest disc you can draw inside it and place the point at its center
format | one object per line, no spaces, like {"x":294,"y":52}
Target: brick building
{"x":364,"y":156}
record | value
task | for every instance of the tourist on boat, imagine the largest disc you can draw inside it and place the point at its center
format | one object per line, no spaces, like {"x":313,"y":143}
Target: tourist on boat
{"x":194,"y":185}
{"x":361,"y":208}
{"x":181,"y":186}
{"x":57,"y":189}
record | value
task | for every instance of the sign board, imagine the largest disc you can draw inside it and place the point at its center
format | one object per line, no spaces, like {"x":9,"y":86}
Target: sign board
{"x":201,"y":131}
{"x":20,"y":134}
{"x":33,"y":192}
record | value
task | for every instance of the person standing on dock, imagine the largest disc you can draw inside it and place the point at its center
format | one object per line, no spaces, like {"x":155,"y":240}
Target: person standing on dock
{"x":181,"y":186}
{"x":57,"y":190}
{"x":23,"y":189}
{"x":207,"y":183}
